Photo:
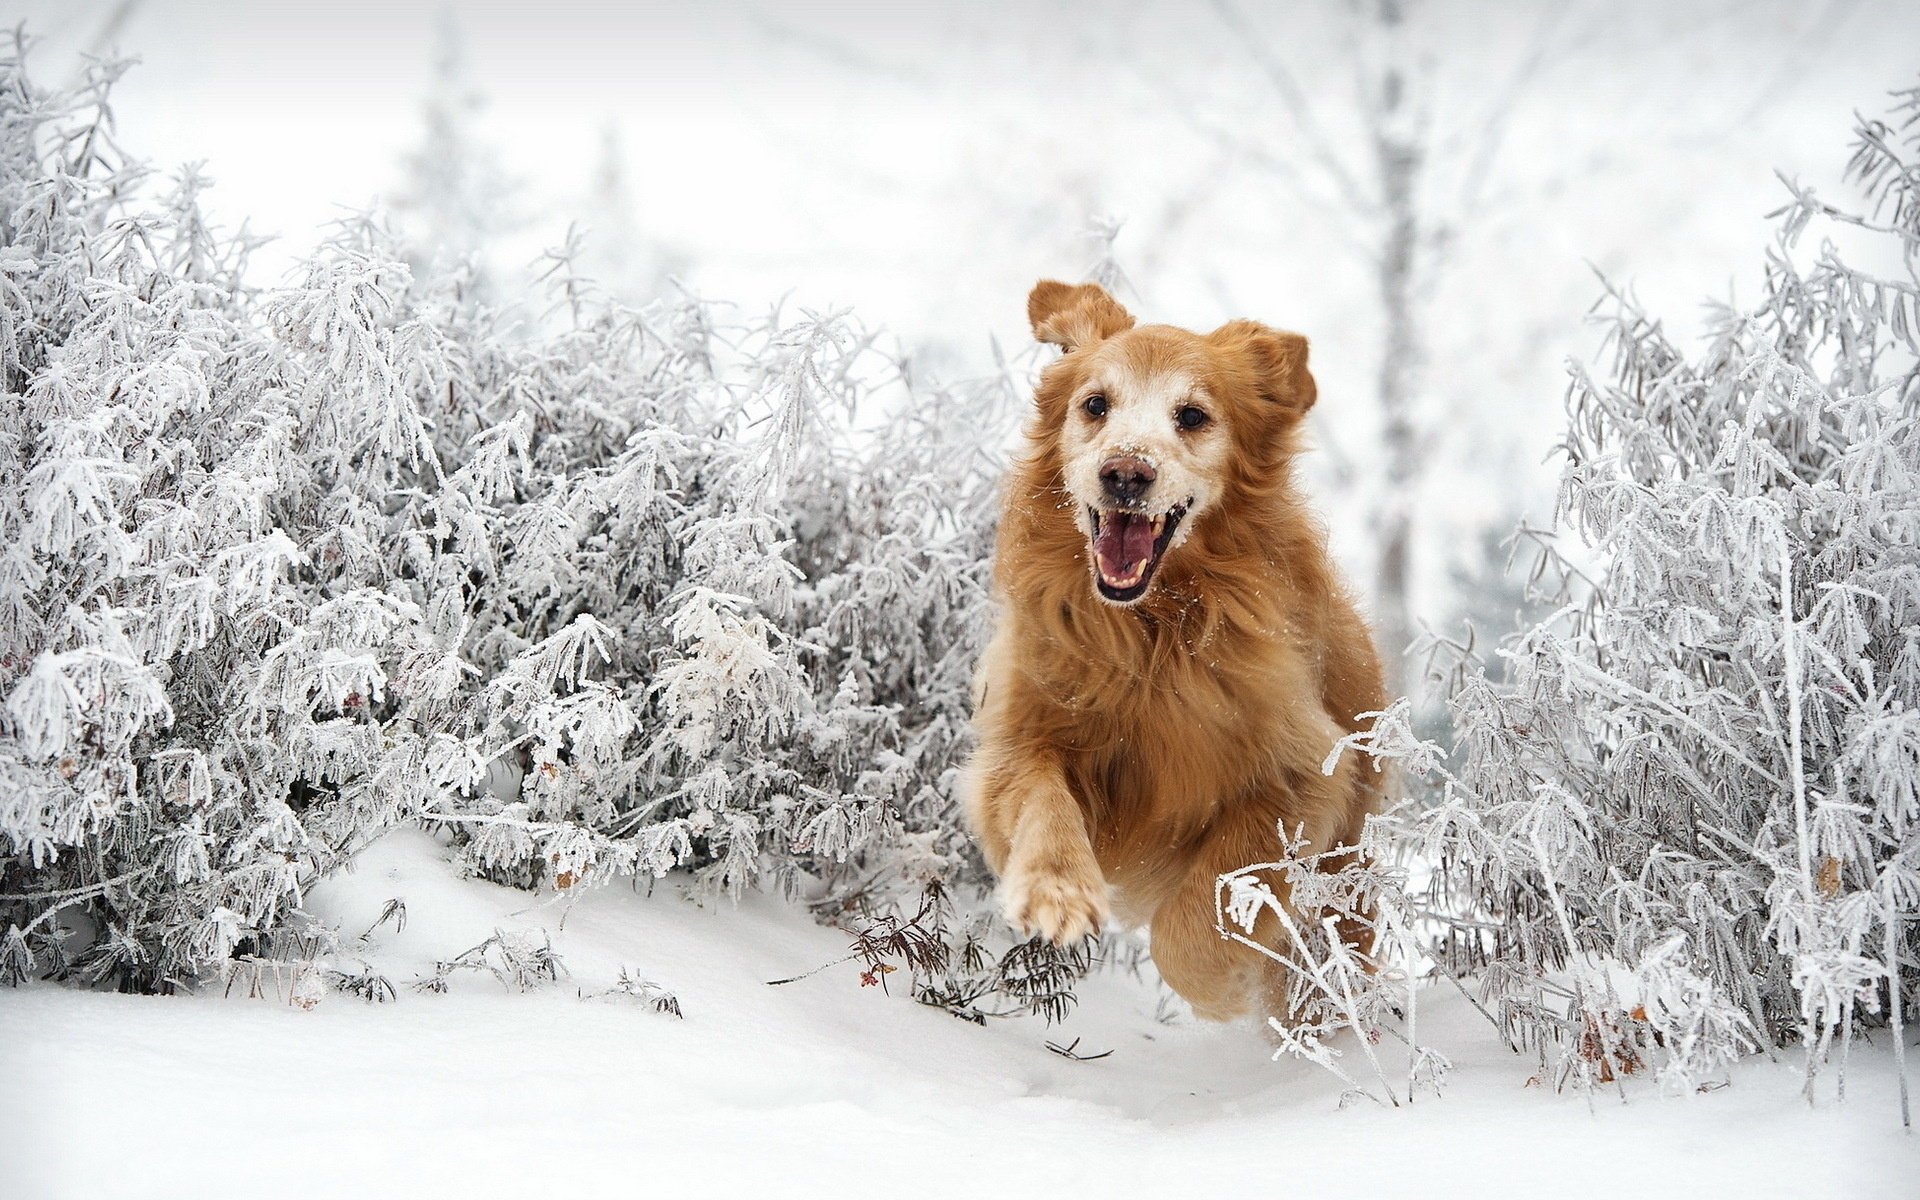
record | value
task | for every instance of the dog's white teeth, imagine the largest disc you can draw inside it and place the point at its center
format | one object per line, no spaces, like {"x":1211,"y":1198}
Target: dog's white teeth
{"x":1159,"y":523}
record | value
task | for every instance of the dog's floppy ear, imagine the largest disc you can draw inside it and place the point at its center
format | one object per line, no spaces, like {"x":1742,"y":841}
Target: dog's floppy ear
{"x":1278,"y":360}
{"x":1074,"y":316}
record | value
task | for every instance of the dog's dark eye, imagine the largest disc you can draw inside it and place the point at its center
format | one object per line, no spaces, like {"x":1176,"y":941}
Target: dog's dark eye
{"x":1096,"y":406}
{"x":1190,"y":417}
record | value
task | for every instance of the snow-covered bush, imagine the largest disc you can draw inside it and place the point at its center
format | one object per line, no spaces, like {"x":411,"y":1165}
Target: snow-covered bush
{"x":593,"y":591}
{"x":1682,"y":820}
{"x":1354,"y":958}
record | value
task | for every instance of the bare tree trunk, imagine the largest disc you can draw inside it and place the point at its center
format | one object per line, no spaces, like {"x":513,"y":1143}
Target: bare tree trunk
{"x":1397,"y":159}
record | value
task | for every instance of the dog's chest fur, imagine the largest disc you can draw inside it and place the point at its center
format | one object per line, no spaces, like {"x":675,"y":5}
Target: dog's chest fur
{"x":1157,"y":753}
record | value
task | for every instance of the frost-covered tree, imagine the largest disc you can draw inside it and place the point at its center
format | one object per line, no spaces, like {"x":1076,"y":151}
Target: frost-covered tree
{"x":648,"y":591}
{"x":454,"y":200}
{"x":1684,"y":821}
{"x":627,"y":263}
{"x":1399,"y":186}
{"x":1403,"y":151}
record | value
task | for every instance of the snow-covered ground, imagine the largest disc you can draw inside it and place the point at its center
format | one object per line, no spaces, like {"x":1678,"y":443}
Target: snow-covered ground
{"x":819,"y":1087}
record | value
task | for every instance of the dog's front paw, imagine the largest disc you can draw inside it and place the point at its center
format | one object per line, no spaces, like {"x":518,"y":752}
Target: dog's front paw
{"x":1058,"y":907}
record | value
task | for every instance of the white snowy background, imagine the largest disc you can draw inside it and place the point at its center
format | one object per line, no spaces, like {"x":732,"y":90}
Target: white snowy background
{"x":922,"y":165}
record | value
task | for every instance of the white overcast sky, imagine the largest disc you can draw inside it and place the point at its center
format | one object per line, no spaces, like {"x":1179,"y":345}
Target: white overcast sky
{"x":878,"y":152}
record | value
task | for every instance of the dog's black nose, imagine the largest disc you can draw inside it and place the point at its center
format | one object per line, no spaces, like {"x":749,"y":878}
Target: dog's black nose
{"x":1125,"y":477}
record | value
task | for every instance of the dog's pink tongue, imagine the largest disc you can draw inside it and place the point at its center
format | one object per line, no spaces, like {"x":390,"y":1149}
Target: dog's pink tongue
{"x":1125,"y":541}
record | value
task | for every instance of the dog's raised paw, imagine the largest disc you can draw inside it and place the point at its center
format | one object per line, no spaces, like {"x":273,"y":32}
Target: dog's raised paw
{"x":1060,"y":908}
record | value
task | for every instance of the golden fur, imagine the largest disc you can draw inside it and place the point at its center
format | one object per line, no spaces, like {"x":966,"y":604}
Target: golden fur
{"x":1130,"y":754}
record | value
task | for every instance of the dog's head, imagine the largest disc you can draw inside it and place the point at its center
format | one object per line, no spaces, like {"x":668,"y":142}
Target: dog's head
{"x":1157,"y":429}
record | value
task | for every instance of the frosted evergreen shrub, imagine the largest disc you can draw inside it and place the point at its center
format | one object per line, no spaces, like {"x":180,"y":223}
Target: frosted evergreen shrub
{"x":1682,"y":817}
{"x":595,"y":592}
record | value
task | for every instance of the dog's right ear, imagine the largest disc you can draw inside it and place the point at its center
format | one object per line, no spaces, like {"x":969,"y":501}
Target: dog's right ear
{"x":1074,"y":316}
{"x":1279,"y":362}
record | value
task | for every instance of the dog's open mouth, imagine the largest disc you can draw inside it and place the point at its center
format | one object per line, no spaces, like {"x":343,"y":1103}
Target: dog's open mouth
{"x":1127,"y":547}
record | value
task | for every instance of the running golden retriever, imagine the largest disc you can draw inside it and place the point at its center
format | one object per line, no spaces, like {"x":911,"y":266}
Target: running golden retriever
{"x":1175,"y":656}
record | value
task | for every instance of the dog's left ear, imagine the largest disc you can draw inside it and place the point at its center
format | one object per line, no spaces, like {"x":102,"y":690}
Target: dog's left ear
{"x":1278,"y":360}
{"x":1073,"y":316}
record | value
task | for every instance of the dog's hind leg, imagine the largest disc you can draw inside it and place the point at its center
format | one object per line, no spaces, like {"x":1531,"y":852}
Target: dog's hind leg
{"x":1216,"y":976}
{"x":1222,"y":976}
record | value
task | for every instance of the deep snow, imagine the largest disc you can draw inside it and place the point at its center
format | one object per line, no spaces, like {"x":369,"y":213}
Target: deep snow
{"x":818,"y":1087}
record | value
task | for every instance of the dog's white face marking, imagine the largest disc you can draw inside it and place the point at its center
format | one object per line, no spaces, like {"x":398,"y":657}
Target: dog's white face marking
{"x":1143,"y":454}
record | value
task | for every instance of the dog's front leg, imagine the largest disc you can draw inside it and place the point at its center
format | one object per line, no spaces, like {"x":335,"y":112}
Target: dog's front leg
{"x":1035,"y":837}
